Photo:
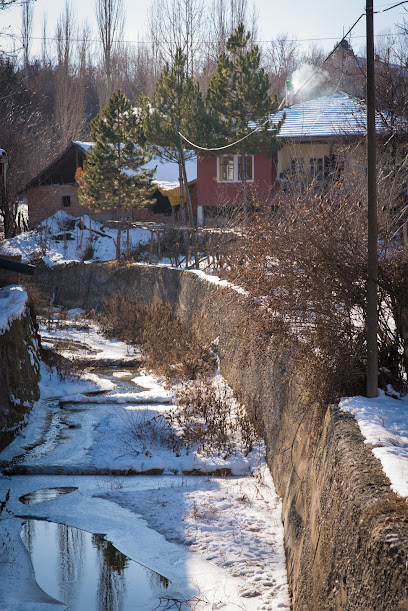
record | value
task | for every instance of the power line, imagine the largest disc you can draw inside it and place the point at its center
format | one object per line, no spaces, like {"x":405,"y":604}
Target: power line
{"x":221,"y":148}
{"x":390,"y":7}
{"x":296,"y":93}
{"x":166,"y":42}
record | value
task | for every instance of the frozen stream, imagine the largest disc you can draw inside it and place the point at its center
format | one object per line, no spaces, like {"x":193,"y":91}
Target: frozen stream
{"x":81,"y":530}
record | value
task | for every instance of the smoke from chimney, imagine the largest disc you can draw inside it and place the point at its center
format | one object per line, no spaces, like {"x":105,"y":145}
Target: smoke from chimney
{"x":308,"y":84}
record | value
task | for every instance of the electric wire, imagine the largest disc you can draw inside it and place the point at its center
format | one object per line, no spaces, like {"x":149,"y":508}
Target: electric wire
{"x":390,"y":7}
{"x":268,"y":120}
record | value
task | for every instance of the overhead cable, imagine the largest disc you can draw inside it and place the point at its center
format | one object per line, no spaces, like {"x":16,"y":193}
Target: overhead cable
{"x":257,"y":129}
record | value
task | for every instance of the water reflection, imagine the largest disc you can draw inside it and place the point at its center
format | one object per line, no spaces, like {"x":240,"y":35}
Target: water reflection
{"x":45,"y":494}
{"x":87,"y":572}
{"x":112,"y":584}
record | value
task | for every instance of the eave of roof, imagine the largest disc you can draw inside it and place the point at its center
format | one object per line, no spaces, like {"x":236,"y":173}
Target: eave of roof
{"x":34,"y":181}
{"x":330,"y":117}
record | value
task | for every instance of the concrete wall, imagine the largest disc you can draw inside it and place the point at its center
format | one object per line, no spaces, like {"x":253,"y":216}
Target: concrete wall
{"x":346,"y":532}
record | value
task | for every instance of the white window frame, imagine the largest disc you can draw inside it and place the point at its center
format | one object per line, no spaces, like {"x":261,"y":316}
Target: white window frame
{"x":235,"y":179}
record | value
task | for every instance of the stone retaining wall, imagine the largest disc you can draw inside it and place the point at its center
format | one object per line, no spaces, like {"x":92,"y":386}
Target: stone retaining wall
{"x":346,"y":532}
{"x":19,"y":373}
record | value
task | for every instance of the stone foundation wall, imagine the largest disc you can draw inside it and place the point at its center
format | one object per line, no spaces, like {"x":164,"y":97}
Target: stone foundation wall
{"x":346,"y":532}
{"x":19,"y":374}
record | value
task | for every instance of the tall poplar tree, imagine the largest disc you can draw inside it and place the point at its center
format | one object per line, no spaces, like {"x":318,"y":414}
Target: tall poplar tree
{"x":113,"y":175}
{"x":238,"y":94}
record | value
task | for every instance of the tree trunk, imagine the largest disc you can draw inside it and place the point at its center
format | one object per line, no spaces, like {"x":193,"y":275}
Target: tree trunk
{"x":182,"y":202}
{"x":244,"y":182}
{"x":119,"y":232}
{"x":183,"y":213}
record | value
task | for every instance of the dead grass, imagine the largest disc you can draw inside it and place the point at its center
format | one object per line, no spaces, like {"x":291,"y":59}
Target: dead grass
{"x":143,"y":430}
{"x":169,"y":348}
{"x":206,"y":415}
{"x":64,"y":367}
{"x":208,"y":418}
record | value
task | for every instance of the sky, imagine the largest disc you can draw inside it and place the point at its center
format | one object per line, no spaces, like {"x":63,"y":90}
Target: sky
{"x":323,"y":21}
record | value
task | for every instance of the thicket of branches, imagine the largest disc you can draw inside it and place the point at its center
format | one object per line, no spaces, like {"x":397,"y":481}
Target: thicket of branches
{"x":304,"y":264}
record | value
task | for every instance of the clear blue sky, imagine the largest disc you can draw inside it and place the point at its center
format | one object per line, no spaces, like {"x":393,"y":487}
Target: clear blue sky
{"x":323,"y":20}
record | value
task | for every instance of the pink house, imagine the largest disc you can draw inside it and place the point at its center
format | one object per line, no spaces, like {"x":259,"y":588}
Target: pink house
{"x":319,"y":140}
{"x":219,"y":180}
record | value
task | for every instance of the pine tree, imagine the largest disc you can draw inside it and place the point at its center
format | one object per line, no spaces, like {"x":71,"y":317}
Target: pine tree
{"x":177,"y":106}
{"x":238,"y":94}
{"x":113,"y":175}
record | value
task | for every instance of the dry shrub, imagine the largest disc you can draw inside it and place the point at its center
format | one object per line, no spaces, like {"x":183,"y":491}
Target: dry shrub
{"x":208,"y":417}
{"x":142,"y":431}
{"x":122,"y":318}
{"x":40,"y":301}
{"x":305,"y":266}
{"x":170,"y":349}
{"x":65,"y":368}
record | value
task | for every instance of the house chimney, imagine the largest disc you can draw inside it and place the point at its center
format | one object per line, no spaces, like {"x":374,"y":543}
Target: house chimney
{"x":288,"y":90}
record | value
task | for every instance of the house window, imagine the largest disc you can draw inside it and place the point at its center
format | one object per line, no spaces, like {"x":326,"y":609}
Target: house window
{"x":334,"y":167}
{"x":226,"y":165}
{"x":316,"y":166}
{"x":248,"y":159}
{"x":66,"y":201}
{"x":230,"y":168}
{"x":297,"y":167}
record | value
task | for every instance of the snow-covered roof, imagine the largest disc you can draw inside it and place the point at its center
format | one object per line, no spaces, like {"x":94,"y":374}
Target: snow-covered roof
{"x":330,"y":116}
{"x":166,"y":171}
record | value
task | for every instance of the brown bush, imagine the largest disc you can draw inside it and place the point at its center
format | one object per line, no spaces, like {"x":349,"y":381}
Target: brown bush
{"x":305,"y":267}
{"x":208,"y":418}
{"x":169,"y":348}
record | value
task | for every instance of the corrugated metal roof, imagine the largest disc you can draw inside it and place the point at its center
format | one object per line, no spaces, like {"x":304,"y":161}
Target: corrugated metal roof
{"x":330,"y":116}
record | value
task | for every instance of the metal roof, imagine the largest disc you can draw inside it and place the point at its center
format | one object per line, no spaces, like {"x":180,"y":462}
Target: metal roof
{"x":331,"y":116}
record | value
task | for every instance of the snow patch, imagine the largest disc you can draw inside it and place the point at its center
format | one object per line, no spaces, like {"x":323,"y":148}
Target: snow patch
{"x":13,"y":301}
{"x":384,"y":424}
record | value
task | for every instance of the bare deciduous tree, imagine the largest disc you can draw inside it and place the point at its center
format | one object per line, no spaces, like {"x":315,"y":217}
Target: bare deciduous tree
{"x":281,"y":59}
{"x":69,"y":79}
{"x":45,"y":52}
{"x":110,"y":20}
{"x":26,"y":33}
{"x":223,"y":18}
{"x":177,"y":24}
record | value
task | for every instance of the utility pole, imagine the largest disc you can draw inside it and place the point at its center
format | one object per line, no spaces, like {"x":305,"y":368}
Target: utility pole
{"x":189,"y":205}
{"x":372,"y":256}
{"x":3,"y":194}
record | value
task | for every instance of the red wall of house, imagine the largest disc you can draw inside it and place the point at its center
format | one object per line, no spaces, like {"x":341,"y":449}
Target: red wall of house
{"x":212,"y":193}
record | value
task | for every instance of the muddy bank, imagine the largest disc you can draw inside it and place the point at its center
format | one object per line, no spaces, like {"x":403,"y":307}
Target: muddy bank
{"x":346,"y":532}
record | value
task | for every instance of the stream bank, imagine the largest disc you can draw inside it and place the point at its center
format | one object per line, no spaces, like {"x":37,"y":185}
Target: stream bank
{"x":19,"y":360}
{"x":208,"y":542}
{"x":346,"y":531}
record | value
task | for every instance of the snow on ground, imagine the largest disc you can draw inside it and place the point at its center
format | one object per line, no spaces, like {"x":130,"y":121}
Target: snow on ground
{"x":63,"y":237}
{"x":232,"y":523}
{"x":77,"y":338}
{"x":384,"y":423}
{"x":13,"y":300}
{"x":218,"y":539}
